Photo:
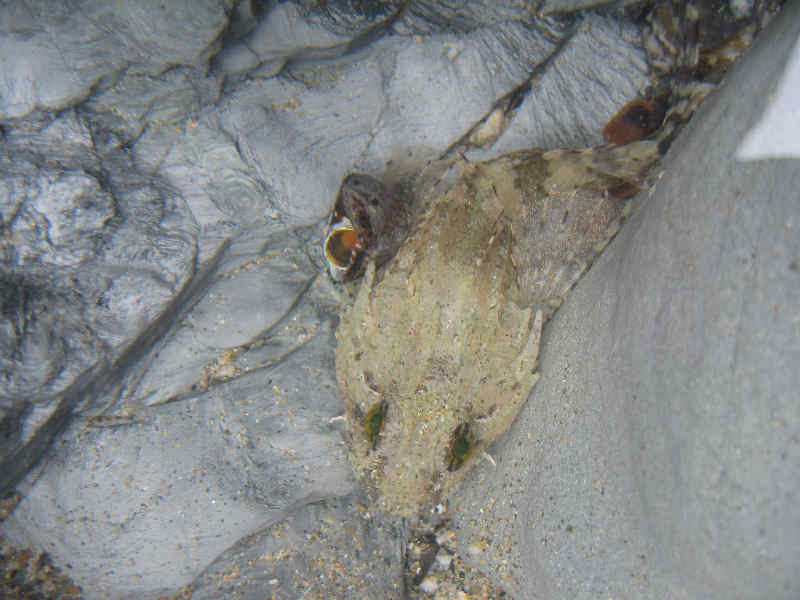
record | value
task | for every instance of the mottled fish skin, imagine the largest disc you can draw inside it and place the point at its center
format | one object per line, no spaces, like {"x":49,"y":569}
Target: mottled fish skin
{"x":562,"y":211}
{"x":445,"y":339}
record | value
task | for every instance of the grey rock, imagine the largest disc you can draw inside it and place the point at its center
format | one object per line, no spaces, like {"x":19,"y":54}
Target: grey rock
{"x":777,"y":132}
{"x":282,"y":36}
{"x":182,"y":389}
{"x":93,"y":253}
{"x":54,"y":53}
{"x":124,"y":109}
{"x":325,"y":550}
{"x":658,"y":455}
{"x":585,"y":86}
{"x":153,"y":496}
{"x":566,"y":6}
{"x":430,"y":16}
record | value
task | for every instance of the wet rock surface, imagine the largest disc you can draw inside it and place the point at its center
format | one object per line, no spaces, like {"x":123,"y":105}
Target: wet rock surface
{"x":661,"y":454}
{"x":322,"y":550}
{"x":169,"y":395}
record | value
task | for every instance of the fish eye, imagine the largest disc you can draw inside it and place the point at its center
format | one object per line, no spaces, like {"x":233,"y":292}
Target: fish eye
{"x":373,"y":423}
{"x":460,"y":447}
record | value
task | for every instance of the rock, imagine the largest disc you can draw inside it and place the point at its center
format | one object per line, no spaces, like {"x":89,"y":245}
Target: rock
{"x":94,"y":252}
{"x":330,"y":549}
{"x":55,"y":54}
{"x":658,"y":456}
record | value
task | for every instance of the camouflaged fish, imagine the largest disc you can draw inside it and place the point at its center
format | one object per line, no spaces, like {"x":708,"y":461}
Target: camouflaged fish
{"x":439,"y":351}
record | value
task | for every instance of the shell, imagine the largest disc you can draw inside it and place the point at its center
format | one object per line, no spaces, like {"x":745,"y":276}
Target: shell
{"x":369,"y":221}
